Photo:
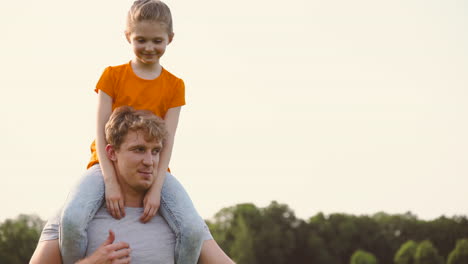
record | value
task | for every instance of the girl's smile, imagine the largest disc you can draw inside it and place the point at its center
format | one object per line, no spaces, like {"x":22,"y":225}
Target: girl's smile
{"x":149,"y":40}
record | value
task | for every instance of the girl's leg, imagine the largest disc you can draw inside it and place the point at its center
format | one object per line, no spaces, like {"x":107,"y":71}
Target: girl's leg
{"x":82,"y":204}
{"x":190,"y":229}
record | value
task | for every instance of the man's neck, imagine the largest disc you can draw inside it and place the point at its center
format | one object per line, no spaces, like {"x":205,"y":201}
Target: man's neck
{"x":132,"y":197}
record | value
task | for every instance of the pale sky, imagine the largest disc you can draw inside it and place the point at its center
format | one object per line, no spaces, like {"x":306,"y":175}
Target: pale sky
{"x":326,"y":106}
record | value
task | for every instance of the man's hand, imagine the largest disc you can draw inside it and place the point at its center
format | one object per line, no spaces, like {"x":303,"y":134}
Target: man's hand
{"x":114,"y":200}
{"x":151,"y":203}
{"x":108,"y":253}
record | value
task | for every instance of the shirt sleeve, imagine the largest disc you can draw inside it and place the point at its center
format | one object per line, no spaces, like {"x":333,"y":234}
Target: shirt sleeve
{"x":106,"y":82}
{"x":51,"y":229}
{"x":179,"y":94}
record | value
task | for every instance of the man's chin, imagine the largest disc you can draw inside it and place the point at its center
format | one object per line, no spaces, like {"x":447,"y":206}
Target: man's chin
{"x":144,"y":186}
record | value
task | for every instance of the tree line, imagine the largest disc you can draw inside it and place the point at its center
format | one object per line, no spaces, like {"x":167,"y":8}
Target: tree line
{"x":274,"y":235}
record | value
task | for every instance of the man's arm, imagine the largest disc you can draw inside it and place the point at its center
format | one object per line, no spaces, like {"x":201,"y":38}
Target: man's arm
{"x":107,"y":253}
{"x":47,"y":252}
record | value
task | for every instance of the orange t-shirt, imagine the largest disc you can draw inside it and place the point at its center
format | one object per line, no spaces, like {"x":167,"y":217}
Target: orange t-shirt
{"x":126,"y":88}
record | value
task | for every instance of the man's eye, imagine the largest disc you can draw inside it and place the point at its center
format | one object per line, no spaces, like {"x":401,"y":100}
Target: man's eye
{"x":156,"y":151}
{"x":139,"y":149}
{"x":157,"y":41}
{"x":140,"y":40}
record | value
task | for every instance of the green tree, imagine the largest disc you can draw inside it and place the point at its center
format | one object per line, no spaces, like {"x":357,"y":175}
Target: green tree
{"x":363,"y":257}
{"x":338,"y":232}
{"x":18,"y":238}
{"x":459,"y":254}
{"x":426,"y":253}
{"x":236,"y":230}
{"x":444,"y":233}
{"x":394,"y":230}
{"x":276,"y":235}
{"x":310,"y":247}
{"x":405,"y":255}
{"x":242,"y":249}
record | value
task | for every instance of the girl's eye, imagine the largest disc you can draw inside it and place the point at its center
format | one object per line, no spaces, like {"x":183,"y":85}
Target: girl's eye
{"x":140,"y":40}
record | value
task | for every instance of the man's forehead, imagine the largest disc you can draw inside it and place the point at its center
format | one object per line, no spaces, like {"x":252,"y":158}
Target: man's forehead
{"x":140,"y":137}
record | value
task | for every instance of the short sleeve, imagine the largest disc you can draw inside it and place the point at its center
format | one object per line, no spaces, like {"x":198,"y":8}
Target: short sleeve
{"x":51,"y":229}
{"x":179,"y":94}
{"x":106,"y":82}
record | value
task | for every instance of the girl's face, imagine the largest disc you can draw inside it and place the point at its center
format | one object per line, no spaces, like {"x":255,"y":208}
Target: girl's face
{"x":149,"y":40}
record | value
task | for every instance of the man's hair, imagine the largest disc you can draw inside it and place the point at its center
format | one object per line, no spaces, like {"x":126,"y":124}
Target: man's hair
{"x":149,"y":10}
{"x":125,"y":119}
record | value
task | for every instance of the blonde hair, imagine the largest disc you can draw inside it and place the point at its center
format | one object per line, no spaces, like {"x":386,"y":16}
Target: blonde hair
{"x":125,"y":119}
{"x":149,"y":10}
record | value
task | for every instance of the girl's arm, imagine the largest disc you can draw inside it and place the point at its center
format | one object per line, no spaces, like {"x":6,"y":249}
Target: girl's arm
{"x":114,"y":197}
{"x":153,"y":196}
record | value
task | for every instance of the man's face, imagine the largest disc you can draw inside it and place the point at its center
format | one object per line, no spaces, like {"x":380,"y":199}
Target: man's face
{"x":136,"y":161}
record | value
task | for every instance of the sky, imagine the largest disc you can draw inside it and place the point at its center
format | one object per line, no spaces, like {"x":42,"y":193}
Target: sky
{"x":327,"y":106}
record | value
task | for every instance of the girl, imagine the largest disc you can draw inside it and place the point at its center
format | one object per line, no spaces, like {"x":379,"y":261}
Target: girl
{"x":143,"y":84}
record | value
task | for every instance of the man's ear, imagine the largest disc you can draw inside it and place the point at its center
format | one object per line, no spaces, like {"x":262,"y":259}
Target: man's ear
{"x":110,"y":151}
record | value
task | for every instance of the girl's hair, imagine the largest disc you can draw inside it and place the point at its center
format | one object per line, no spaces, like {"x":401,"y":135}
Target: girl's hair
{"x":125,"y":119}
{"x":149,"y":10}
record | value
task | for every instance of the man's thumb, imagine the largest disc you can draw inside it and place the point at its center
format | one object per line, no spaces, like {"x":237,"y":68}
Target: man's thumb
{"x":110,"y":239}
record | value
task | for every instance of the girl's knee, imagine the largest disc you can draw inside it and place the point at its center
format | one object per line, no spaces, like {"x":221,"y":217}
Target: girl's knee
{"x":73,"y":221}
{"x":194,"y":232}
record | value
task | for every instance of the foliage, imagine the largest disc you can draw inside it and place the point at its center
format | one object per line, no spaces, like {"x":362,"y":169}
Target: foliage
{"x":426,"y":253}
{"x":235,"y":230}
{"x":18,"y":238}
{"x":243,"y":245}
{"x":405,"y":255}
{"x":460,"y":254}
{"x":251,"y":235}
{"x":363,"y":257}
{"x":274,"y":235}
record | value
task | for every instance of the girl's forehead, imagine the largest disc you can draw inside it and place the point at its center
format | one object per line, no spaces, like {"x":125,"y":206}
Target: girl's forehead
{"x":149,"y":26}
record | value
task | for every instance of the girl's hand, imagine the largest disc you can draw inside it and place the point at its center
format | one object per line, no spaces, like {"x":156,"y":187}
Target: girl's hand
{"x":114,"y":200}
{"x":151,"y":204}
{"x":108,"y":253}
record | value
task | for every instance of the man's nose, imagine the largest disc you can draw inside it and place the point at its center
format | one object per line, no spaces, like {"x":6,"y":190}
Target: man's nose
{"x":148,"y":158}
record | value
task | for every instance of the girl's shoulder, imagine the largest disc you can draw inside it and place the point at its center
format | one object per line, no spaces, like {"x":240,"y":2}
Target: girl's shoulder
{"x":116,"y":70}
{"x":170,"y":76}
{"x":120,"y":67}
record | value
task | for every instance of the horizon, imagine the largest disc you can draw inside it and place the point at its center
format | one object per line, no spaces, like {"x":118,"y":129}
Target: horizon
{"x":326,"y":215}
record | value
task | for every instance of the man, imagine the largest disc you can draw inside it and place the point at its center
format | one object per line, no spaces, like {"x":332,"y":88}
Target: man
{"x":134,"y":151}
{"x":135,"y":139}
